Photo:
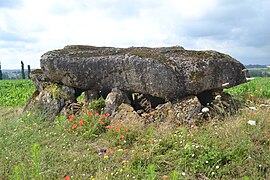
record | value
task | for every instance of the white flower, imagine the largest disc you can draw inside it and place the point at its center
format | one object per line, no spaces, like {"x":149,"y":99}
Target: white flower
{"x":252,"y":108}
{"x":183,"y":173}
{"x":217,"y":167}
{"x":205,"y":109}
{"x":206,"y":162}
{"x":192,"y":155}
{"x":213,"y":173}
{"x":252,"y":122}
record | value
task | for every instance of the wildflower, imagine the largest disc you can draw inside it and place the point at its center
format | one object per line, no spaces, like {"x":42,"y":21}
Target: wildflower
{"x":67,"y":178}
{"x":150,"y":139}
{"x":217,"y":167}
{"x":119,"y":124}
{"x":96,"y":114}
{"x":120,"y":150}
{"x":90,"y":114}
{"x":164,"y":177}
{"x":71,"y":116}
{"x":105,"y":156}
{"x":136,"y":138}
{"x":121,"y":136}
{"x":143,"y":139}
{"x":167,"y":138}
{"x":205,"y":110}
{"x":183,"y":173}
{"x":101,"y":122}
{"x":107,"y":115}
{"x":252,"y":108}
{"x":110,"y":150}
{"x":268,"y":121}
{"x":74,"y":126}
{"x":117,"y":129}
{"x":126,"y":129}
{"x":109,"y":127}
{"x":251,"y":122}
{"x":81,"y":122}
{"x":101,"y":118}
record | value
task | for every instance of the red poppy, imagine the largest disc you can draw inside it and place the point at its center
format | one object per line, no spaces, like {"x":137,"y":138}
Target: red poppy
{"x":119,"y":124}
{"x":67,"y":178}
{"x":107,"y":115}
{"x":74,"y":126}
{"x":121,"y":136}
{"x":96,"y":114}
{"x":109,"y":127}
{"x":90,"y":114}
{"x":117,"y":129}
{"x":81,"y":122}
{"x":151,"y":139}
{"x":164,"y":177}
{"x":101,"y":122}
{"x":100,"y":118}
{"x":71,"y":116}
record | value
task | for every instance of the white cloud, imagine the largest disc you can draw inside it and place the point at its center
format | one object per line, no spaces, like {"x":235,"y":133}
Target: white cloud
{"x":35,"y":26}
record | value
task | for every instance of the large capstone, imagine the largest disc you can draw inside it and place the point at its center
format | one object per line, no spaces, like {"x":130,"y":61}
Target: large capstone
{"x":167,"y":72}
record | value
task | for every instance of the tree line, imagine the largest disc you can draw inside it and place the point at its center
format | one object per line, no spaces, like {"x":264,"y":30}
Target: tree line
{"x":22,"y":73}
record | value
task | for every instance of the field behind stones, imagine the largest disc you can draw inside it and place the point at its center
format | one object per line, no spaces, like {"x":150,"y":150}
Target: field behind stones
{"x":88,"y":146}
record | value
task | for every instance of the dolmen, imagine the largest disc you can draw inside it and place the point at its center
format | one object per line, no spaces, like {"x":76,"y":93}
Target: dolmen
{"x":143,"y":77}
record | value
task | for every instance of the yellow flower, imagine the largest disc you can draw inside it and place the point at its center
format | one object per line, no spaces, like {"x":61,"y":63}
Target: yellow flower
{"x":106,"y":157}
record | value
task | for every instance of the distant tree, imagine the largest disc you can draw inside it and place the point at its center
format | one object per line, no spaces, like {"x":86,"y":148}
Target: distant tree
{"x":22,"y":71}
{"x":29,"y":71}
{"x":1,"y":74}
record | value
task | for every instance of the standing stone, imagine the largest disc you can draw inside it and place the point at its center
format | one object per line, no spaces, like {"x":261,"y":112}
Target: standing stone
{"x":114,"y":100}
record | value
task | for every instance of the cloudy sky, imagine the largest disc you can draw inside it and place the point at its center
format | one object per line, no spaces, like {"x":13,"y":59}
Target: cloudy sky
{"x":29,"y":28}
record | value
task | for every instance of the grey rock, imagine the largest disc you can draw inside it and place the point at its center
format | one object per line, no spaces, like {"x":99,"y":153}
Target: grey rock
{"x":114,"y":100}
{"x":184,"y":110}
{"x":168,"y":72}
{"x":39,"y":79}
{"x":51,"y":100}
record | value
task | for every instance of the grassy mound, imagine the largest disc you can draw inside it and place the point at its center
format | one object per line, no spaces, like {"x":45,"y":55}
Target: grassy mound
{"x":89,"y":146}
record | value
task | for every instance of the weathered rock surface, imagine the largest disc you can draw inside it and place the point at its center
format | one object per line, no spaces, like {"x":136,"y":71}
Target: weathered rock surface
{"x":114,"y":100}
{"x":169,"y":72}
{"x":52,"y":99}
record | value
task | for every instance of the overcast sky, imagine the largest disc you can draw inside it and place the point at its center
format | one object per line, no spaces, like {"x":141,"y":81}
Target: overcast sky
{"x":29,"y":28}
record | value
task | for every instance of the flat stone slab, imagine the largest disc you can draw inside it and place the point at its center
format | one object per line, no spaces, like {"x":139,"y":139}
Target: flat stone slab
{"x":165,"y":72}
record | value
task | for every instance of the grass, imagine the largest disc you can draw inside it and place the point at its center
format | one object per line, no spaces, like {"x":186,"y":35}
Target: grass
{"x":89,"y":146}
{"x":15,"y":92}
